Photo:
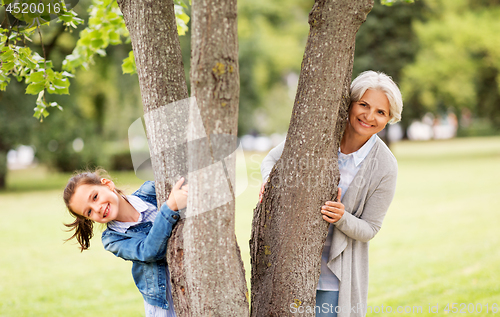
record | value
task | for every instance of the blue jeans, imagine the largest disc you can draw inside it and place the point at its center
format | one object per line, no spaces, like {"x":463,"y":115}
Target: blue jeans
{"x":326,"y":301}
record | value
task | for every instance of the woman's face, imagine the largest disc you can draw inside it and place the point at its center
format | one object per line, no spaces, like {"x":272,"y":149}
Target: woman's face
{"x":370,"y":114}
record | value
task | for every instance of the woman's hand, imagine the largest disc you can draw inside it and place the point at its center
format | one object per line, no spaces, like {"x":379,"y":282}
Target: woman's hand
{"x":261,"y":193}
{"x":178,"y":196}
{"x":333,"y":210}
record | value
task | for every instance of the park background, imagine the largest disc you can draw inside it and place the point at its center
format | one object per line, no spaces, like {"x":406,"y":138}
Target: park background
{"x":438,"y":245}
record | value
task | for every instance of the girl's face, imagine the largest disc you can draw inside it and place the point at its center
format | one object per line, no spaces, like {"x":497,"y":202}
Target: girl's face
{"x":370,"y":114}
{"x":96,"y":202}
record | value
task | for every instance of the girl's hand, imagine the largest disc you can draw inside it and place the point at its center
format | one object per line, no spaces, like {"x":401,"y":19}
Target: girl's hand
{"x":178,"y":196}
{"x":333,"y":210}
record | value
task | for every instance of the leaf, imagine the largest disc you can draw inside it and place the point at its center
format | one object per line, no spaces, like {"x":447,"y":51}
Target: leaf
{"x":391,"y":2}
{"x":61,"y":83}
{"x":55,"y":104}
{"x":50,"y":74}
{"x":66,"y":74}
{"x":181,"y":3}
{"x":58,"y":90}
{"x":97,"y":43}
{"x":4,"y":81}
{"x":8,"y":66}
{"x":101,"y":52}
{"x":39,"y":99}
{"x":38,"y":113}
{"x":25,"y":58}
{"x":35,"y":88}
{"x":114,"y":38}
{"x":3,"y":77}
{"x":6,"y":54}
{"x":41,"y":109}
{"x":128,"y":65}
{"x":47,"y":63}
{"x":35,"y":77}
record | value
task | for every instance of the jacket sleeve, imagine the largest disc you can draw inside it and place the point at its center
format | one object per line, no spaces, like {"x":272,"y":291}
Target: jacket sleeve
{"x":150,"y":248}
{"x":271,"y":158}
{"x":366,"y":227}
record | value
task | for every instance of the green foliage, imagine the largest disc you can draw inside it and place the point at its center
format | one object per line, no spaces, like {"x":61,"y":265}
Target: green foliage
{"x":181,"y":17}
{"x":16,"y":122}
{"x":19,"y":61}
{"x":128,"y":65}
{"x":271,"y":41}
{"x":391,"y":2}
{"x":29,"y":14}
{"x":55,"y":145}
{"x":458,"y":64}
{"x":387,"y":42}
{"x":105,"y":27}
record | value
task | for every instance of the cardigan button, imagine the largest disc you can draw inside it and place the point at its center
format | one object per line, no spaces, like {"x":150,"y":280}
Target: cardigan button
{"x":175,"y":217}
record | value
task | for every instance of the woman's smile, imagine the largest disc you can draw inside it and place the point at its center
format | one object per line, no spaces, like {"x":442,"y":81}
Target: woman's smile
{"x":369,"y":115}
{"x":365,"y":125}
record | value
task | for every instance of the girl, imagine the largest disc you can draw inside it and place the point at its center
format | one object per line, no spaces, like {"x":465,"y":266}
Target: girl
{"x":368,"y":172}
{"x":136,"y":230}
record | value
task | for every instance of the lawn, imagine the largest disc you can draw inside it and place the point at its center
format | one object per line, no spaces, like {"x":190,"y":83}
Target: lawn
{"x":439,"y":243}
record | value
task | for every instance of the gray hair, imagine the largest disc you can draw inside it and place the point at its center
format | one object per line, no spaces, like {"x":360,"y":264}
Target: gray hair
{"x":379,"y":81}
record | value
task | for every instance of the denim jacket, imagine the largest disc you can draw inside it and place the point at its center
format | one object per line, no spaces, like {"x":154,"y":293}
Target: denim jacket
{"x":145,"y":244}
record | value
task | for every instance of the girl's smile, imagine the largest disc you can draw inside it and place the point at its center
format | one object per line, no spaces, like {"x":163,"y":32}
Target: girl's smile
{"x":106,"y":212}
{"x":102,"y":204}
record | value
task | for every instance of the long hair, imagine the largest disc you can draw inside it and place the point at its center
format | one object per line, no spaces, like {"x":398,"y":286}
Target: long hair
{"x":83,"y":227}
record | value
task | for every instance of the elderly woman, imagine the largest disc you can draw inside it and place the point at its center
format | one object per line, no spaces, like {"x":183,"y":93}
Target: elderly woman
{"x":368,"y":172}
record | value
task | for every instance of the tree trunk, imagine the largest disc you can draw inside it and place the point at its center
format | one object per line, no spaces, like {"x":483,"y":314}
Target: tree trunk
{"x":204,"y":259}
{"x":209,"y":260}
{"x":157,"y":51}
{"x":288,"y":232}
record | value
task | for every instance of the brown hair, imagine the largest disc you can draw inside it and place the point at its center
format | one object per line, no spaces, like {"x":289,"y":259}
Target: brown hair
{"x":84,"y":227}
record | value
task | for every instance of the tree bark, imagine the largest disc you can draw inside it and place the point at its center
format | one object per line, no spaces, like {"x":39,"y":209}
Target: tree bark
{"x":157,"y":51}
{"x":211,"y":267}
{"x":288,"y":232}
{"x":206,"y":269}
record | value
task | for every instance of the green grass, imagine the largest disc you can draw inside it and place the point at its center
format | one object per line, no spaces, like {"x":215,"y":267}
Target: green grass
{"x":439,"y":243}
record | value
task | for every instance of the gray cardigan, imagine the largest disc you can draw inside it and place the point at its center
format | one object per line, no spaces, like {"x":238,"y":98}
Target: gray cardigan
{"x":366,"y":202}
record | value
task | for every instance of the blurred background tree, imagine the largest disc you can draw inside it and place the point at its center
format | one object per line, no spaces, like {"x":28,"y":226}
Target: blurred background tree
{"x":16,"y":123}
{"x":458,"y":61}
{"x":92,"y":128}
{"x":387,"y":42}
{"x":444,"y":54}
